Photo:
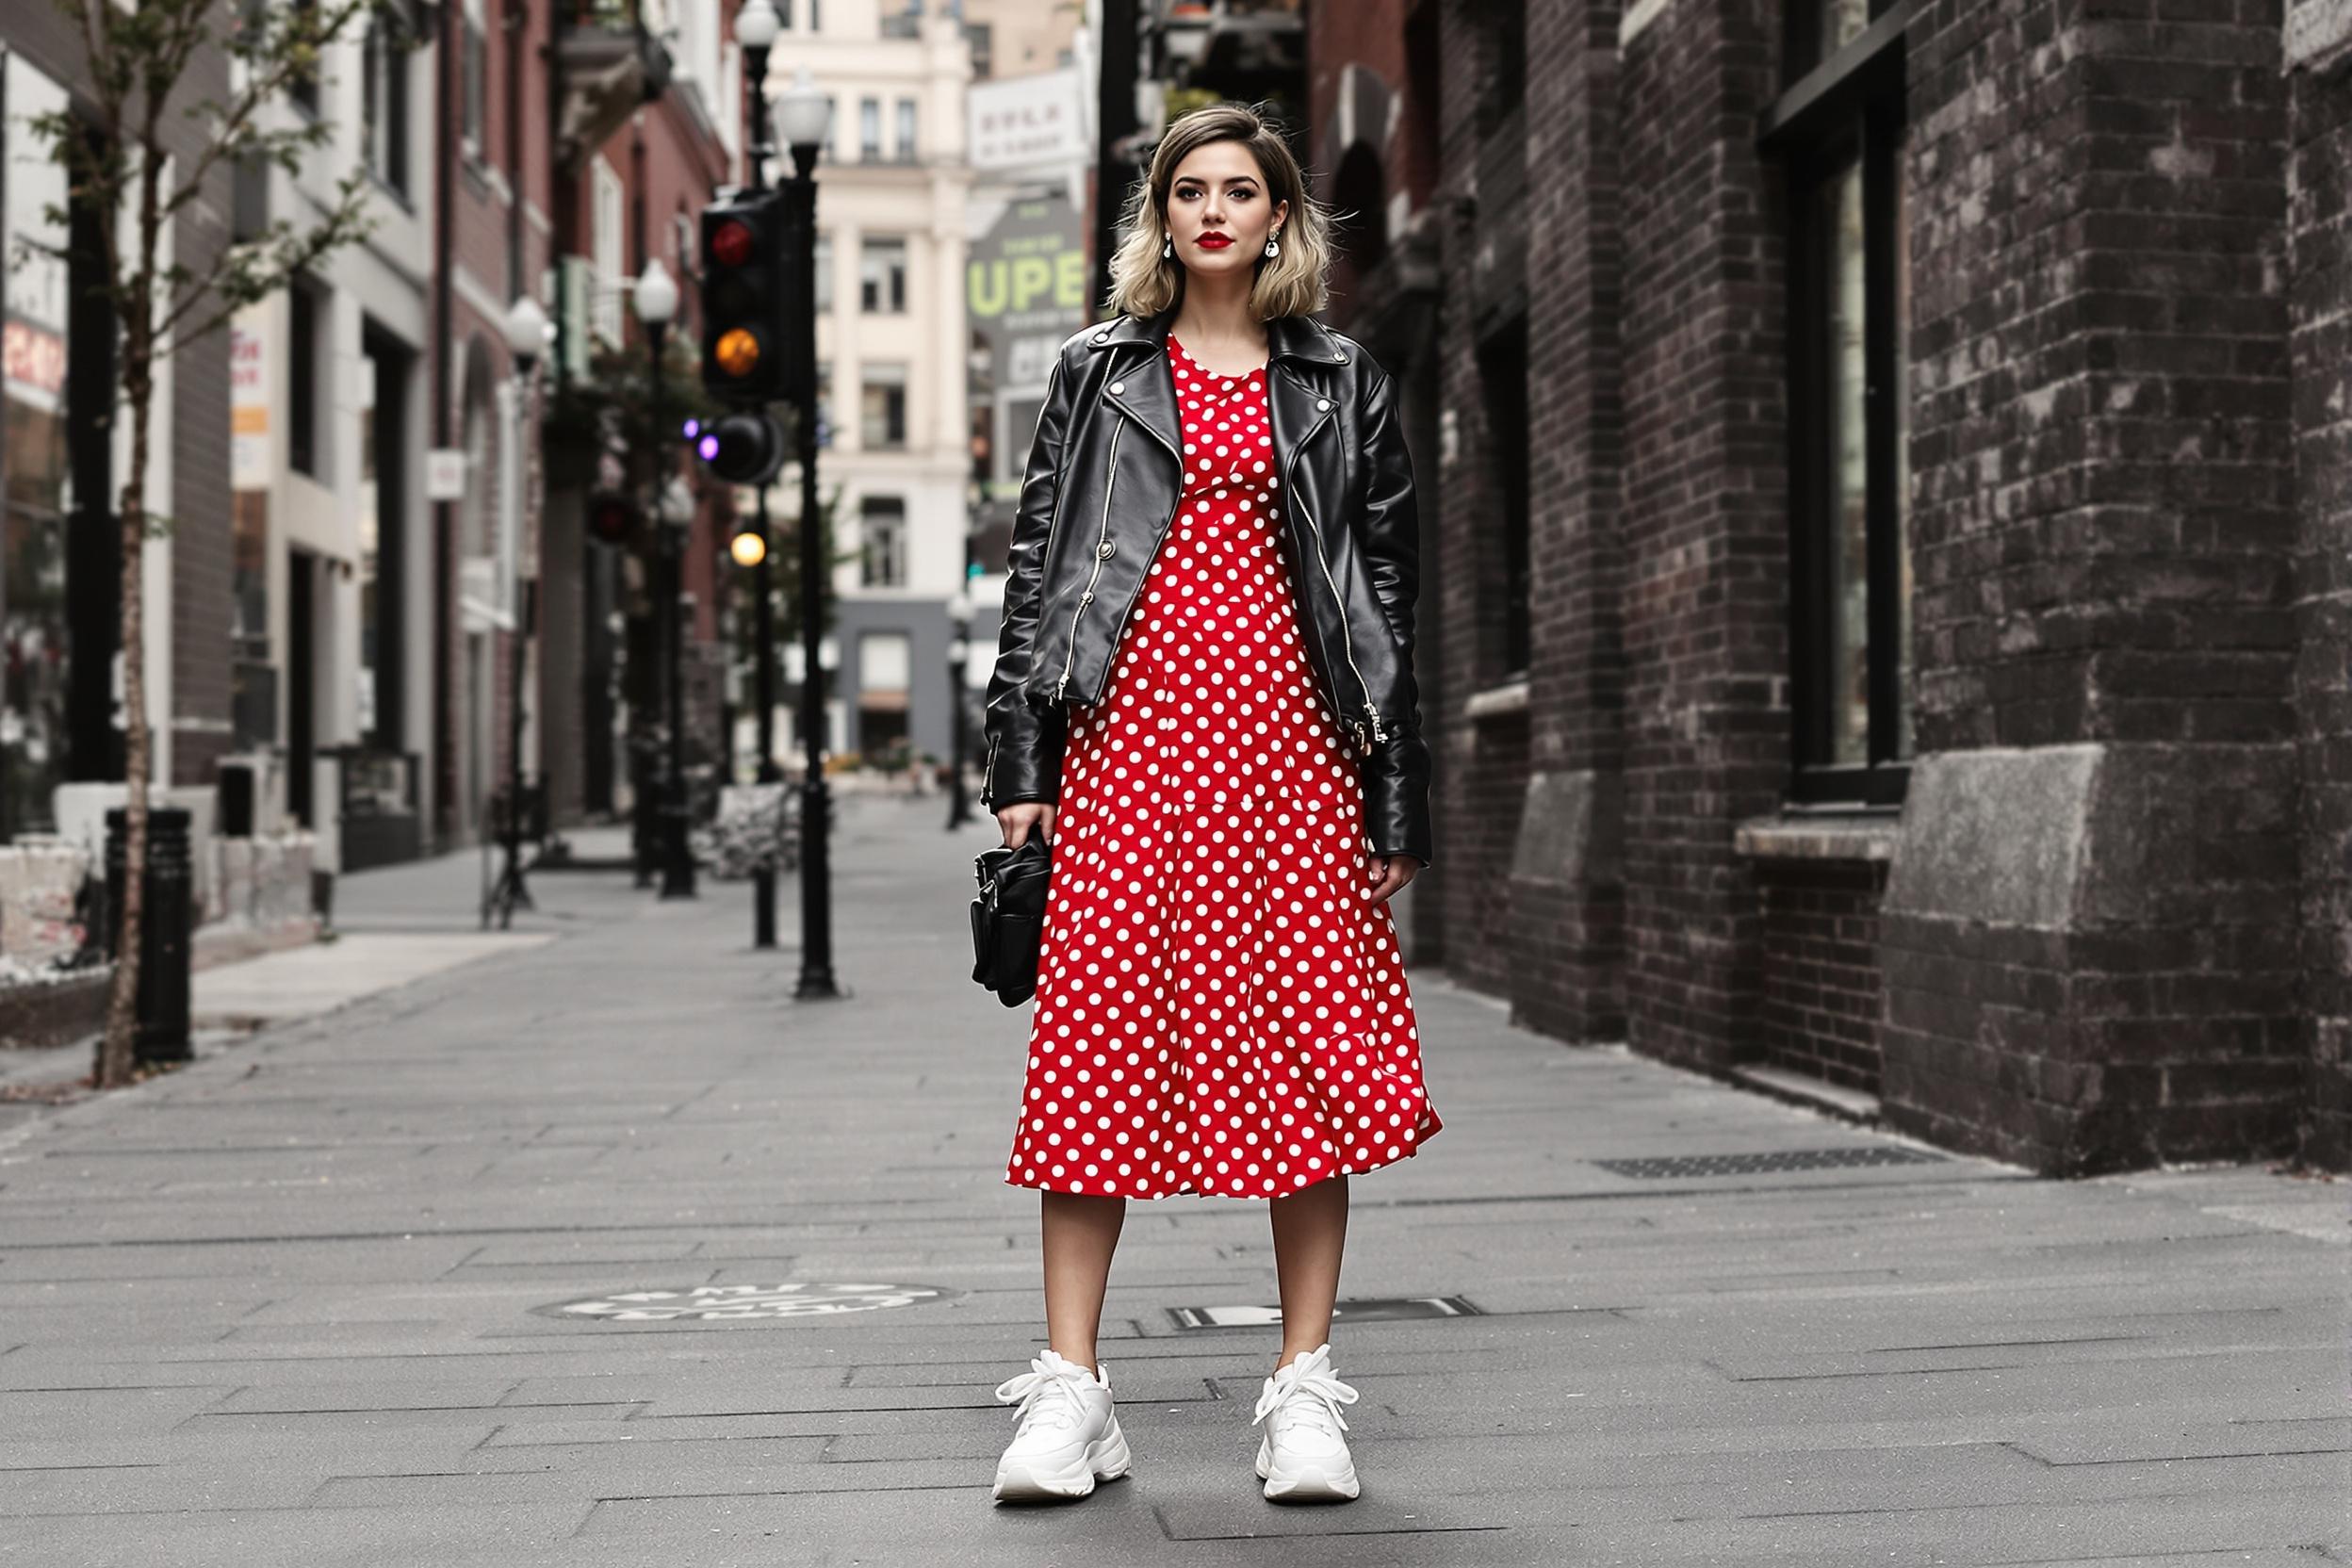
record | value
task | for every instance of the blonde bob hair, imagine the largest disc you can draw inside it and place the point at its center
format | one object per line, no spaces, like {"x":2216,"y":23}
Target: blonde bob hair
{"x":1144,"y":282}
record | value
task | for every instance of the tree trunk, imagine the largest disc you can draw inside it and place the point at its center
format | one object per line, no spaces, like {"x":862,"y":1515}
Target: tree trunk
{"x":117,"y":1049}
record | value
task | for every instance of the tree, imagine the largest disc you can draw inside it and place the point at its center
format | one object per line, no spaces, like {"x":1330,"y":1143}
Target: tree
{"x":119,"y":169}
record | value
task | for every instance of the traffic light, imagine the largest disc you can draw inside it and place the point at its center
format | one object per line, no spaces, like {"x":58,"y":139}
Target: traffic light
{"x":613,"y":518}
{"x":749,"y":338}
{"x":742,"y":448}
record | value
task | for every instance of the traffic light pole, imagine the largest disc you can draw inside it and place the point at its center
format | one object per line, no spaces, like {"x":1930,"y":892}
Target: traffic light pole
{"x":763,"y":693}
{"x":678,"y":857}
{"x":816,"y":876}
{"x":762,"y":572}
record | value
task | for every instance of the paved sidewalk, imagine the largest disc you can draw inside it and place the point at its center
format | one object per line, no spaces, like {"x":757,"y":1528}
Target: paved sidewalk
{"x":302,"y":1303}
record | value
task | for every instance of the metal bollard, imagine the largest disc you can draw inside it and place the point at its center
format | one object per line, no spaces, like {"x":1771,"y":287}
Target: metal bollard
{"x":168,"y":902}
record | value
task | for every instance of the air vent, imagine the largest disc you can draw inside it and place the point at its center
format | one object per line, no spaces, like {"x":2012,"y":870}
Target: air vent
{"x":1753,"y":1165}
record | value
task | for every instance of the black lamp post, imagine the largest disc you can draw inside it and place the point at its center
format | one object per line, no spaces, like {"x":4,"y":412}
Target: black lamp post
{"x":756,"y":28}
{"x":526,"y":331}
{"x":959,"y":666}
{"x":803,"y":114}
{"x":657,"y":306}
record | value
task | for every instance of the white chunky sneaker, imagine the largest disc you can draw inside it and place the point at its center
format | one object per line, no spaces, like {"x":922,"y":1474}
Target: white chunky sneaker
{"x":1068,"y":1436}
{"x":1302,"y":1457}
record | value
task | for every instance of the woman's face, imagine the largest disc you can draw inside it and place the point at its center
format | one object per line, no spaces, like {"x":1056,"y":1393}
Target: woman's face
{"x":1217,"y":210}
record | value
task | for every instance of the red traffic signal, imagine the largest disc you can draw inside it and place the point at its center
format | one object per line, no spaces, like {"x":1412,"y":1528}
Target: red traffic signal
{"x":613,"y":518}
{"x":731,"y":243}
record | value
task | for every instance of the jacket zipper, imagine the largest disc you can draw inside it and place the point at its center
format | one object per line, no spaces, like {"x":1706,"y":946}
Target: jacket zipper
{"x":1371,"y":721}
{"x":1045,"y":557}
{"x":1086,"y":597}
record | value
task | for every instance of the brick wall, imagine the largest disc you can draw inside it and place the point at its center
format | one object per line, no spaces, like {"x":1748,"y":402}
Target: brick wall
{"x":1567,"y":884}
{"x":1821,"y":994}
{"x":1705,"y":520}
{"x":1481,"y":764}
{"x":2087,"y":932}
{"x":2320,"y":237}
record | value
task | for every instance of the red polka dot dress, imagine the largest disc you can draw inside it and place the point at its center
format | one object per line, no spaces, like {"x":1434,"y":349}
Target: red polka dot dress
{"x":1221,"y":1006}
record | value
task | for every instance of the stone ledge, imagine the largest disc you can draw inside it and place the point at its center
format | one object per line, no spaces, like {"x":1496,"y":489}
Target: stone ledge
{"x":1509,"y":697}
{"x":1824,"y":837}
{"x":1801,"y":1088}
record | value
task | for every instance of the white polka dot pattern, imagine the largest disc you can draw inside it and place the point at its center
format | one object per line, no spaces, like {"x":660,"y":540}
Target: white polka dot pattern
{"x":1221,"y":1006}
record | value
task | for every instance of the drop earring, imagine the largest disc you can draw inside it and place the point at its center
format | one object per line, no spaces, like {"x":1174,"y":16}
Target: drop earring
{"x":1167,"y":246}
{"x":1274,"y":243}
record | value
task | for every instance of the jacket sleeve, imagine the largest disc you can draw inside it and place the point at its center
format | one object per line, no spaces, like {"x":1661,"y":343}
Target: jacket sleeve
{"x":1025,"y":742}
{"x":1395,"y":775}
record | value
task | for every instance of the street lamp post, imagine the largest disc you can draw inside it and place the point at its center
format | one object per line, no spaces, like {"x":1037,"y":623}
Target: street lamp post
{"x":756,"y":28}
{"x":527,"y":330}
{"x":657,"y":306}
{"x":803,"y":115}
{"x":959,"y":611}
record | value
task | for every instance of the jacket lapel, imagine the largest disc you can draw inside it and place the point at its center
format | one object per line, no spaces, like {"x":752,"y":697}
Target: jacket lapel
{"x":1146,"y":378}
{"x":1297,"y":346}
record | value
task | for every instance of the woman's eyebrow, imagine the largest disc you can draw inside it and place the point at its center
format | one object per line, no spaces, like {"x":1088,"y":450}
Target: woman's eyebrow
{"x":1230,"y":179}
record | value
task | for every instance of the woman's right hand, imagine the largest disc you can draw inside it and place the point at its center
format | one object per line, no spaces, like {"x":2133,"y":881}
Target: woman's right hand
{"x":1016,"y":820}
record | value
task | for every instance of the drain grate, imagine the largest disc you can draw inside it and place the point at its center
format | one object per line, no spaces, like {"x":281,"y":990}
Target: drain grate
{"x":1783,"y":1159}
{"x":724,"y":1303}
{"x":1365,"y":1310}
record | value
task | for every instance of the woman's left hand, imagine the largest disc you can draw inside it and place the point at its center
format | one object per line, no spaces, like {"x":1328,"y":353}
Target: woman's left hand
{"x":1394,"y":872}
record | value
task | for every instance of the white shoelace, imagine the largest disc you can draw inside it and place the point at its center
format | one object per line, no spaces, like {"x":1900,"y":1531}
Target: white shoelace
{"x":1312,"y":1380}
{"x":1047,"y":1395}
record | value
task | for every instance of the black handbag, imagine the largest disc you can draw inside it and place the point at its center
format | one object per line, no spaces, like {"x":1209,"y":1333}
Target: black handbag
{"x":1008,"y":916}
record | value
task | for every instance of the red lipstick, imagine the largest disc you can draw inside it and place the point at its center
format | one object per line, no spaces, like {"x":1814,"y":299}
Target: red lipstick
{"x":1212,"y":240}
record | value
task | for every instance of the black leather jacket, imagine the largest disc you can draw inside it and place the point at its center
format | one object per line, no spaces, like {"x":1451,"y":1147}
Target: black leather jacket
{"x":1104,"y":477}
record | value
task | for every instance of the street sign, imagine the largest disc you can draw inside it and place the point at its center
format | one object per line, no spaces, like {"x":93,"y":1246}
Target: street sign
{"x":445,"y":474}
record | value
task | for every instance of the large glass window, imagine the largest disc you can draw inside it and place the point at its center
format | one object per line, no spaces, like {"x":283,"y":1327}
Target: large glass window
{"x":882,"y":522}
{"x":1503,"y":378}
{"x":1842,"y":140}
{"x":384,"y":107}
{"x":35,"y":638}
{"x":906,"y":150}
{"x":301,"y":379}
{"x":885,"y":406}
{"x":474,"y":84}
{"x":870,"y":129}
{"x":882,"y":276}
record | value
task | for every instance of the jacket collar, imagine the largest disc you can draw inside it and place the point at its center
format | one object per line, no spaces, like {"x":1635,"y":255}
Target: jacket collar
{"x":1295,"y":408}
{"x":1300,"y":337}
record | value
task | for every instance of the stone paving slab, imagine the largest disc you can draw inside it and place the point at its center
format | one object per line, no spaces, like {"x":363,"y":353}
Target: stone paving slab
{"x":288,"y":1305}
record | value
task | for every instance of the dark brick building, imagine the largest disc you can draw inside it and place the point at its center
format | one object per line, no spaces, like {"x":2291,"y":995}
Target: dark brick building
{"x":1884,"y":563}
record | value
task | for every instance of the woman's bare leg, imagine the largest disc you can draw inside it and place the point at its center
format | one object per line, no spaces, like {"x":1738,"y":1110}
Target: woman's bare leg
{"x":1081,"y":1233}
{"x":1310,"y":1233}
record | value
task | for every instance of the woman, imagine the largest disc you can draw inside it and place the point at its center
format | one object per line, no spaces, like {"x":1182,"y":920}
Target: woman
{"x":1204,"y":696}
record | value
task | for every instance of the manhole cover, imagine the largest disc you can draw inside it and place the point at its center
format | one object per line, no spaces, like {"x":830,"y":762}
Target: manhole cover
{"x":1372,"y":1309}
{"x":1750,"y":1165}
{"x":716,"y":1303}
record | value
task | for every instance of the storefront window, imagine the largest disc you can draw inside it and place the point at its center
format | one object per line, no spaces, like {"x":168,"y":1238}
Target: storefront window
{"x":38,"y":478}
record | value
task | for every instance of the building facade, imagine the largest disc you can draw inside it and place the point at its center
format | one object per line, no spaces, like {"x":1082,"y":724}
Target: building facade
{"x":645,"y":148}
{"x":330,"y":647}
{"x":892,"y":187}
{"x":1886,"y":543}
{"x":63,"y":456}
